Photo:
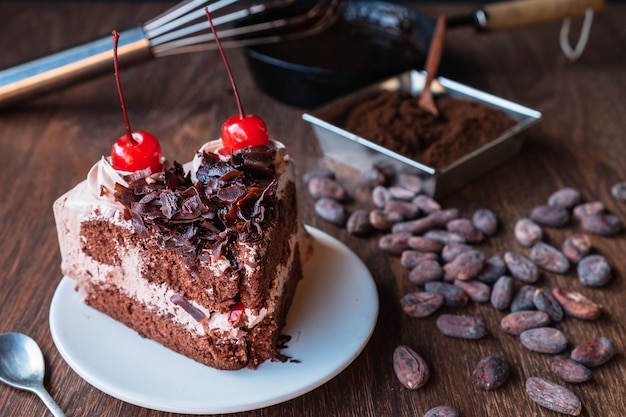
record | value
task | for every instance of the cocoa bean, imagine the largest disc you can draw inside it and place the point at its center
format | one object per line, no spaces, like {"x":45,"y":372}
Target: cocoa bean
{"x":425,"y":244}
{"x":524,"y":298}
{"x":411,"y":182}
{"x":604,"y":224}
{"x":358,"y":223}
{"x":426,"y":271}
{"x":476,"y":290}
{"x":521,"y":267}
{"x":544,"y":340}
{"x":321,"y":186}
{"x":569,"y":370}
{"x":577,"y":305}
{"x":453,"y":296}
{"x":466,"y":229}
{"x":465,"y":327}
{"x":594,"y":271}
{"x":527,"y":232}
{"x":394,"y":243}
{"x":594,"y":352}
{"x":426,"y":204}
{"x":493,"y":269}
{"x":553,"y":396}
{"x":442,"y":411}
{"x":545,"y":301}
{"x":318,"y":172}
{"x":486,"y":221}
{"x":520,"y":321}
{"x":444,"y":236}
{"x":466,"y":265}
{"x":380,"y":196}
{"x":384,"y":221}
{"x":549,"y":258}
{"x":421,"y":304}
{"x":373,"y":176}
{"x":451,"y":251}
{"x":502,"y":292}
{"x":586,"y":209}
{"x":491,"y":373}
{"x":416,"y":227}
{"x":576,"y":246}
{"x":442,"y":217}
{"x":404,"y":209}
{"x":550,"y":216}
{"x":331,"y":210}
{"x":618,"y":190}
{"x":411,"y":258}
{"x":411,"y":369}
{"x":565,"y":197}
{"x":399,"y":193}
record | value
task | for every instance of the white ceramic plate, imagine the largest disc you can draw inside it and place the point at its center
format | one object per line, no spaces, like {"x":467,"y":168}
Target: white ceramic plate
{"x":331,"y":319}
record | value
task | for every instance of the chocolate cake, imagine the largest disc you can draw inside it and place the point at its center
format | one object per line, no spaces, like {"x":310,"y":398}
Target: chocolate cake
{"x":203,"y":258}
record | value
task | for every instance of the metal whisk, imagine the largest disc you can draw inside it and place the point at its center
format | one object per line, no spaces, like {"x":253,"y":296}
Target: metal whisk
{"x":181,"y":29}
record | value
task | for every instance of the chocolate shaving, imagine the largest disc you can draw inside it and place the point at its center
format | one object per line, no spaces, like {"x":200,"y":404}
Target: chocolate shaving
{"x":231,"y":201}
{"x":193,"y":311}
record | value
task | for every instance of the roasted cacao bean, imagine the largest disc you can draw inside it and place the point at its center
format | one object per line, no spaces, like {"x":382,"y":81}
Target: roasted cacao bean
{"x":586,"y":209}
{"x":382,"y":220}
{"x":594,"y":271}
{"x":491,"y":373}
{"x":527,"y":232}
{"x":478,"y":291}
{"x":486,"y":221}
{"x":442,"y":411}
{"x":421,"y":304}
{"x":331,"y":210}
{"x":465,"y":266}
{"x":404,"y":209}
{"x":410,"y":368}
{"x":565,"y":197}
{"x":411,"y":182}
{"x":577,"y":305}
{"x":594,"y":352}
{"x":425,"y":244}
{"x":451,"y":251}
{"x":576,"y":247}
{"x":549,"y":258}
{"x":544,"y":340}
{"x":618,"y":190}
{"x":466,"y":229}
{"x":493,"y":269}
{"x":400,"y":193}
{"x":442,"y":217}
{"x":502,"y":293}
{"x":553,"y":396}
{"x":521,"y":267}
{"x":550,"y":216}
{"x":374,"y":176}
{"x":411,"y":258}
{"x":322,"y":186}
{"x":569,"y":370}
{"x":444,"y":236}
{"x":465,"y":327}
{"x":358,"y":223}
{"x":416,"y":227}
{"x":394,"y":243}
{"x":426,"y":271}
{"x":380,"y":196}
{"x":603,"y":223}
{"x":520,"y":321}
{"x":524,"y":298}
{"x":453,"y":296}
{"x":545,"y":301}
{"x":426,"y":204}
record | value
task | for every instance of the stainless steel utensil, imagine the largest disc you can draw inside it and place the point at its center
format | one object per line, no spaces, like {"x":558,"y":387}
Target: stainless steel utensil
{"x":181,"y":29}
{"x":22,"y":366}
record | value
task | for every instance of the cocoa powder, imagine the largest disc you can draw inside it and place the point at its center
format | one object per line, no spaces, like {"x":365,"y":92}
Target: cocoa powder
{"x":394,"y":120}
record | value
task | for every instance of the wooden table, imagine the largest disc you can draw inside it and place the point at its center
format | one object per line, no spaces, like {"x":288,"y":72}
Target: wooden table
{"x":48,"y":146}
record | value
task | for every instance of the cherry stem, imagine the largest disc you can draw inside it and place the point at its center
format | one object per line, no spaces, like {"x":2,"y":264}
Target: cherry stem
{"x":129,"y":134}
{"x":228,"y":70}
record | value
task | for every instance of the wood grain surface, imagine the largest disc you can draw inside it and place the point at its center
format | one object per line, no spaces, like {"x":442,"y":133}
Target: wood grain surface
{"x":48,"y":145}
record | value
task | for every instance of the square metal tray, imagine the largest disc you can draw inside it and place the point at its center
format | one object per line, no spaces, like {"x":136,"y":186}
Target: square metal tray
{"x":359,"y":152}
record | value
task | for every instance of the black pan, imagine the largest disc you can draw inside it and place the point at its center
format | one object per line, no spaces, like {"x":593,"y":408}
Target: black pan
{"x":373,"y":40}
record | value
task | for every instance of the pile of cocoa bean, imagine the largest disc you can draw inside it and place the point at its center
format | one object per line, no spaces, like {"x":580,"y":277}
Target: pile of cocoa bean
{"x":440,"y":250}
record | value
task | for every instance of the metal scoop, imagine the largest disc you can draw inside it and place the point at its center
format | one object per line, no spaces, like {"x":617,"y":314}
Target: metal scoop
{"x":22,"y":366}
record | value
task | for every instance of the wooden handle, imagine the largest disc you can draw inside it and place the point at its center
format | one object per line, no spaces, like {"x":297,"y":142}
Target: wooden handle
{"x":520,"y":13}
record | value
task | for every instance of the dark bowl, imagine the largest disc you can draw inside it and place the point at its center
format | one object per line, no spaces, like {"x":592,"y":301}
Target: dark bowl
{"x":368,"y":42}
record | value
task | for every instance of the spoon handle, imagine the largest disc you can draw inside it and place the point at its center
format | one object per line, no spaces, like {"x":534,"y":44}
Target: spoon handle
{"x":49,"y":402}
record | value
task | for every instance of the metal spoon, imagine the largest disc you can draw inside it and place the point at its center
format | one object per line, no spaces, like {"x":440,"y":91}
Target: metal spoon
{"x":22,"y":366}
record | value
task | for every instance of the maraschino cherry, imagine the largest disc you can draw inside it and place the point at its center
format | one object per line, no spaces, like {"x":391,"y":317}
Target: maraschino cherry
{"x":135,"y":151}
{"x":241,"y":130}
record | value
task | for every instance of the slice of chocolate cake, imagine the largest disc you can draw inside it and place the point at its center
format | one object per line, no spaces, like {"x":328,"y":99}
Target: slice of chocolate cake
{"x":202,"y":258}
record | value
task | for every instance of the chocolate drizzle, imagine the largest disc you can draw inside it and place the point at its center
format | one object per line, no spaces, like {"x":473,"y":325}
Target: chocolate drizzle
{"x":230,"y":201}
